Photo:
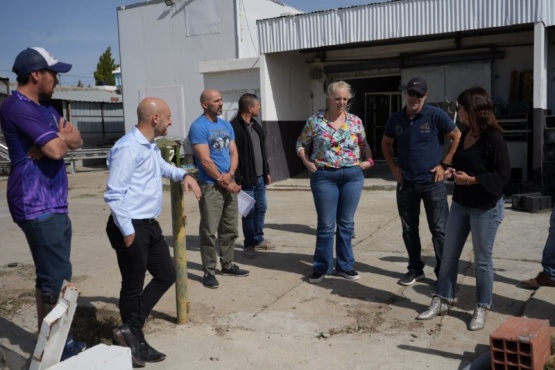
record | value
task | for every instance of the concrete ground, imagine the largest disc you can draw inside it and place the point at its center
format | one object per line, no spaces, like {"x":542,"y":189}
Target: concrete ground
{"x":274,"y":318}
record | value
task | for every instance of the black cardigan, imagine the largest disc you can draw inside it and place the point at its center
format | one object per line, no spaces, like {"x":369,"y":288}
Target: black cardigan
{"x":488,"y":161}
{"x":246,"y":173}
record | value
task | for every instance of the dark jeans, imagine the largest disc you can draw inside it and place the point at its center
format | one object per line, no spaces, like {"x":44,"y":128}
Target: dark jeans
{"x":253,"y":224}
{"x":149,"y":252}
{"x":49,"y":238}
{"x":548,"y":256}
{"x":434,"y":197}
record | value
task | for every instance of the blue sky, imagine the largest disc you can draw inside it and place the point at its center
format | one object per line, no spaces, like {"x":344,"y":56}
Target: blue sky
{"x":79,"y":31}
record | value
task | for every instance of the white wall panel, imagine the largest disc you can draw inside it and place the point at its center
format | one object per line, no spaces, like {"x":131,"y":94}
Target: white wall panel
{"x":286,"y":87}
{"x":173,"y":95}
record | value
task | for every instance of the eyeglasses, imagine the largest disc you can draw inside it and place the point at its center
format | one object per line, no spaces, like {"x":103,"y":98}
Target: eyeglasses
{"x":414,"y":94}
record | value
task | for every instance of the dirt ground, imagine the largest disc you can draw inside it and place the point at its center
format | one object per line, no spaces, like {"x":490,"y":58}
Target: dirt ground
{"x":274,"y":318}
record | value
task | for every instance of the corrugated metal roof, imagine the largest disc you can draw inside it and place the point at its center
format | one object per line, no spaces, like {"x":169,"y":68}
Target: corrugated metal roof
{"x":86,"y":95}
{"x":397,"y":19}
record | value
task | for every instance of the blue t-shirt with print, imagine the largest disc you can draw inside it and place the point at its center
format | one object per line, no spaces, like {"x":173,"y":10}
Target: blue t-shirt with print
{"x":419,"y":141}
{"x":217,"y":135}
{"x":35,"y":187}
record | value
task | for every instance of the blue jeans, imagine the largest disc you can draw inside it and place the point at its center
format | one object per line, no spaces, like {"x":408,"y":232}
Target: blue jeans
{"x":336,"y":195}
{"x":49,"y":239}
{"x":484,"y":225}
{"x":434,"y":197}
{"x":548,"y":258}
{"x":253,"y":224}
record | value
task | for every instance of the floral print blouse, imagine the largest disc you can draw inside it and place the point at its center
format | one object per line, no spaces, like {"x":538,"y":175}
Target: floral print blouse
{"x":331,"y":147}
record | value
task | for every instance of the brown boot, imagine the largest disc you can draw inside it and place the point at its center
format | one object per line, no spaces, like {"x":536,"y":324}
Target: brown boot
{"x":541,"y":280}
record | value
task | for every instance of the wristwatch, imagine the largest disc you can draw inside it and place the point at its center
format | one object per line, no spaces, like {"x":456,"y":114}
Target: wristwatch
{"x":446,"y":165}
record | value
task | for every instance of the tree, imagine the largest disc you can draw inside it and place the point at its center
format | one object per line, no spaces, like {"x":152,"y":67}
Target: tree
{"x":106,"y":64}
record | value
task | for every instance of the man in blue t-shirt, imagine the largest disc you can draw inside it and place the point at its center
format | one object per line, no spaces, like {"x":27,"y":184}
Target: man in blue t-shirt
{"x":419,"y":131}
{"x":38,"y":139}
{"x":213,"y":143}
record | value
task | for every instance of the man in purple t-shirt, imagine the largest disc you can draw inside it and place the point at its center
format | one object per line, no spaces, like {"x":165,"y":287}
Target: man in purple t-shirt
{"x":38,"y":139}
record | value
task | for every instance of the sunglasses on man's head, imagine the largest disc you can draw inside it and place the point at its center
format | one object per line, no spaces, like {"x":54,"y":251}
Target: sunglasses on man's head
{"x":413,"y":94}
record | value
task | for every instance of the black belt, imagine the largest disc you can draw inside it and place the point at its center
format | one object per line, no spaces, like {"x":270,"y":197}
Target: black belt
{"x":324,"y":168}
{"x":147,"y":220}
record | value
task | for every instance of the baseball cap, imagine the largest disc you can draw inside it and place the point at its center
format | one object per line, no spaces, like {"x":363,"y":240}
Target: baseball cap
{"x":37,"y":59}
{"x":418,"y":85}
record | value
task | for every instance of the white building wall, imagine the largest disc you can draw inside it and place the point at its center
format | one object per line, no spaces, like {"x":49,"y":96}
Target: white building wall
{"x":233,"y":80}
{"x":159,"y":50}
{"x":163,"y":47}
{"x":231,"y":85}
{"x":248,"y":12}
{"x":286,"y":87}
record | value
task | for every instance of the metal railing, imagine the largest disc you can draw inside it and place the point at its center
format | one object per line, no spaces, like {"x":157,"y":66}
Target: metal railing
{"x":71,"y":157}
{"x":84,"y":154}
{"x":5,"y":162}
{"x":4,"y":152}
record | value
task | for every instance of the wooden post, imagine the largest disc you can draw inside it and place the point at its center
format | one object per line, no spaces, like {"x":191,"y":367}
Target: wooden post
{"x":180,"y":252}
{"x":178,"y":226}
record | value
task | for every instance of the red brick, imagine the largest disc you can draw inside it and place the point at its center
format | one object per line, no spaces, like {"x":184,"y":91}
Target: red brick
{"x":520,"y":343}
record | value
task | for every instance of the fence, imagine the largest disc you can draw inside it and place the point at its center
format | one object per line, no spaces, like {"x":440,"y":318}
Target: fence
{"x":85,"y":154}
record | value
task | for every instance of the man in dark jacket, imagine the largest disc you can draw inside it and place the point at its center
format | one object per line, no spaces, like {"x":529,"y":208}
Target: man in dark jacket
{"x":253,"y":173}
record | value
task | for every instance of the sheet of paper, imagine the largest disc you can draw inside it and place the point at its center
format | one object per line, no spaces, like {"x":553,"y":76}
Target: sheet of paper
{"x":246,"y":202}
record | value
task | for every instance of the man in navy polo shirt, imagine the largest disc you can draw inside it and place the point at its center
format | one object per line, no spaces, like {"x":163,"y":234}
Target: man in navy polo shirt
{"x":420,"y":130}
{"x":38,"y":139}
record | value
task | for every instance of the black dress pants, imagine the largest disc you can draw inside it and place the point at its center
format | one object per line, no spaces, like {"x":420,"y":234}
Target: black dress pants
{"x":149,"y":252}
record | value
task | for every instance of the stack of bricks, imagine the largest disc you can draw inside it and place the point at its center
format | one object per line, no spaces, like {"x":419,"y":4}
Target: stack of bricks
{"x":520,"y":343}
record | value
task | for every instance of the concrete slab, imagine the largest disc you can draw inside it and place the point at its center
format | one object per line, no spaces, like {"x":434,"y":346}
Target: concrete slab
{"x":100,"y":357}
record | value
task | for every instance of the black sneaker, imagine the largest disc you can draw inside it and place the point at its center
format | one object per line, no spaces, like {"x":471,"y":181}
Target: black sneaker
{"x":410,"y":278}
{"x":350,"y":275}
{"x":209,"y":281}
{"x":72,"y":348}
{"x":315,"y":278}
{"x":234,"y":270}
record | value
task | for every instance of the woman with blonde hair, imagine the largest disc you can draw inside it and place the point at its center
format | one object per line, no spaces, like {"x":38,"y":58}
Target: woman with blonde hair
{"x":339,"y":155}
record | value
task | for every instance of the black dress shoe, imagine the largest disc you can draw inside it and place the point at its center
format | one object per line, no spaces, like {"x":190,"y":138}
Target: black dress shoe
{"x":124,"y":336}
{"x":149,"y":354}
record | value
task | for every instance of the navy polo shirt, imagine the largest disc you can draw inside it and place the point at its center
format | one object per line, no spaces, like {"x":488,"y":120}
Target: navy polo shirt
{"x":419,"y":141}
